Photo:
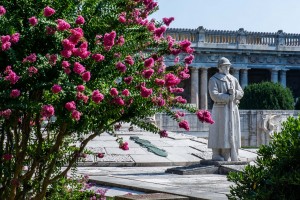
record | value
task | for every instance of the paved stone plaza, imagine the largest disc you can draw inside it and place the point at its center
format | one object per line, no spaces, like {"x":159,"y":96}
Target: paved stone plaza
{"x":139,"y":171}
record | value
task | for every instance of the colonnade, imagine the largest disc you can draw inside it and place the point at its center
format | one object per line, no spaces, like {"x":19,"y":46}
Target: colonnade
{"x":241,"y":74}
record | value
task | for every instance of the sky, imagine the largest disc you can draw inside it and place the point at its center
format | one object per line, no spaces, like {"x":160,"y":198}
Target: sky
{"x":252,"y":15}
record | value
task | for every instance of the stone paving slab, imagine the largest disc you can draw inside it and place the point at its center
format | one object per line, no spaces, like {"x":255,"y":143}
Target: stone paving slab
{"x":180,"y":150}
{"x":200,"y":140}
{"x":181,"y":143}
{"x":132,"y":150}
{"x":182,"y":186}
{"x":180,"y":136}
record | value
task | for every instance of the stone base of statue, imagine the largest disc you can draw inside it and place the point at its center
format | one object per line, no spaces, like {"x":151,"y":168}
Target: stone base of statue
{"x":219,"y":163}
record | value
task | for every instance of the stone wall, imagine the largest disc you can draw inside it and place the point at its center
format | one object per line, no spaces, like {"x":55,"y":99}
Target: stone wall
{"x":256,"y":125}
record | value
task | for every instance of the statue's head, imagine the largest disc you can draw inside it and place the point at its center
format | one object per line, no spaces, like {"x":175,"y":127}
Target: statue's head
{"x":224,"y":65}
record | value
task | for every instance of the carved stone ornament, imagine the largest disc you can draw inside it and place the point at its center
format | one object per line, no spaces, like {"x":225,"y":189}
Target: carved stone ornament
{"x":253,"y":59}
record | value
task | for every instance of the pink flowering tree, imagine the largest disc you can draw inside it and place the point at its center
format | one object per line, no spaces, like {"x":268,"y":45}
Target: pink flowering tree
{"x":69,"y":71}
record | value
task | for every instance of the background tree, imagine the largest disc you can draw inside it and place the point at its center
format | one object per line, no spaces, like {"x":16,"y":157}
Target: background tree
{"x":69,"y":71}
{"x":267,"y":96}
{"x":276,"y":174}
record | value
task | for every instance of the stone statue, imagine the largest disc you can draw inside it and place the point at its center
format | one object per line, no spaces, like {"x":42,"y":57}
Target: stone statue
{"x":225,"y":135}
{"x":269,"y":125}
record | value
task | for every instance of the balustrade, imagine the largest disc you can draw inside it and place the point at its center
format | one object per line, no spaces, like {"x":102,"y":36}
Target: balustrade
{"x":235,"y":37}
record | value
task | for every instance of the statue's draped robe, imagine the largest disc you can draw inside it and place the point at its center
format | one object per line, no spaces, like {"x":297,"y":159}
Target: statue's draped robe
{"x":219,"y":135}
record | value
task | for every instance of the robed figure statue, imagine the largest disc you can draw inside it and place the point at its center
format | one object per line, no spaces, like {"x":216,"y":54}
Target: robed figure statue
{"x":225,"y":134}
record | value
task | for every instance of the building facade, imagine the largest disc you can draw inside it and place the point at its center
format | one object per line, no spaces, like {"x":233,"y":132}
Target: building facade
{"x":255,"y":57}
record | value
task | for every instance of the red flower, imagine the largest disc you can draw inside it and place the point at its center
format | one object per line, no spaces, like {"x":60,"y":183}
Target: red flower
{"x":97,"y":97}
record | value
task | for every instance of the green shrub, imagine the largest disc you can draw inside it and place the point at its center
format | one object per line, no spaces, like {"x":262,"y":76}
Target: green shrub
{"x":276,"y":174}
{"x":268,"y":96}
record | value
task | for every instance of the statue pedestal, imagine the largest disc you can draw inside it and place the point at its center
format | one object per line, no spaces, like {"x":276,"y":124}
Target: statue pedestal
{"x":219,"y":163}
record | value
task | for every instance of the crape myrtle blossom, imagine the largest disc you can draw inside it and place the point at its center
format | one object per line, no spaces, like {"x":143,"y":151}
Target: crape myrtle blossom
{"x":70,"y":106}
{"x":62,"y":25}
{"x":114,"y":92}
{"x":76,"y":115}
{"x":97,"y":97}
{"x":15,"y":93}
{"x":31,"y":58}
{"x":163,"y":133}
{"x":128,"y":80}
{"x":121,"y":67}
{"x":146,"y":92}
{"x":56,"y":88}
{"x":12,"y":77}
{"x":109,"y":40}
{"x":6,"y":113}
{"x":86,"y":76}
{"x":189,"y":59}
{"x":48,"y":11}
{"x":80,"y":20}
{"x":129,"y":60}
{"x":98,"y":57}
{"x":204,"y":116}
{"x":149,"y":62}
{"x":2,"y":10}
{"x":184,"y":124}
{"x":122,"y":17}
{"x":171,"y":80}
{"x":47,"y":111}
{"x":124,"y":146}
{"x":168,"y":21}
{"x":33,"y":21}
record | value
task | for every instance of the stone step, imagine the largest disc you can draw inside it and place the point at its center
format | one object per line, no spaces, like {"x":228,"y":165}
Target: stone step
{"x":153,"y":196}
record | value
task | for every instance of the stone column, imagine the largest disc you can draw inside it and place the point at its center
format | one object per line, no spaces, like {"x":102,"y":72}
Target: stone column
{"x":244,"y":81}
{"x":282,"y":77}
{"x":236,"y":73}
{"x":195,"y":86}
{"x":274,"y":75}
{"x":204,"y":89}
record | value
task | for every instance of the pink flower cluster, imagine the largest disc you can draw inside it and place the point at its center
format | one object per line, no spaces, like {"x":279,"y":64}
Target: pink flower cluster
{"x":184,"y":124}
{"x":80,"y":20}
{"x":147,"y":73}
{"x":31,"y":58}
{"x":48,"y":11}
{"x":163,"y":133}
{"x":12,"y":77}
{"x":5,"y":113}
{"x":121,"y":67}
{"x":15,"y":93}
{"x":32,"y":70}
{"x":159,"y":101}
{"x":180,"y":99}
{"x":97,"y":97}
{"x":56,"y":88}
{"x":62,"y":25}
{"x":109,"y":40}
{"x":204,"y":116}
{"x":128,"y":79}
{"x":168,"y":21}
{"x":7,"y":40}
{"x":171,"y":80}
{"x":7,"y":157}
{"x":145,"y":92}
{"x":98,"y":57}
{"x":47,"y":111}
{"x":2,"y":10}
{"x":33,"y":21}
{"x":71,"y":106}
{"x":124,"y":146}
{"x":129,"y":60}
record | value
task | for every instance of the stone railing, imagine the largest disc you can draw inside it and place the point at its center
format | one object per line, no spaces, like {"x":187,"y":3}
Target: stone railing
{"x":240,"y":39}
{"x":256,"y":125}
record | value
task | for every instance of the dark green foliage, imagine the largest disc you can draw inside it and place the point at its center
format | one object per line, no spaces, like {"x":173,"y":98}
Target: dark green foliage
{"x":297,"y":106}
{"x":276,"y":174}
{"x":268,"y":96}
